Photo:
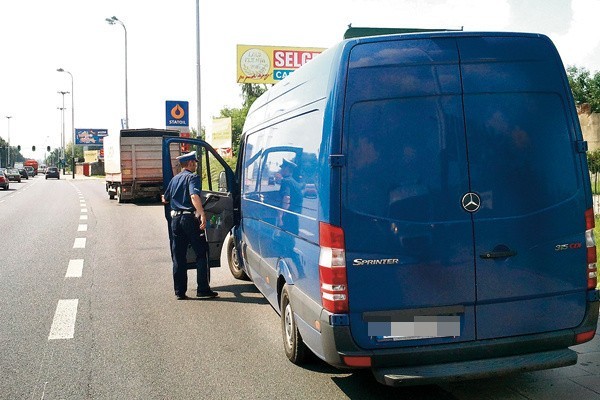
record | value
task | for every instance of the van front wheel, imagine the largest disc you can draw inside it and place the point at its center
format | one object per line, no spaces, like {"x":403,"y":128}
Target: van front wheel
{"x":234,"y":262}
{"x":295,"y":349}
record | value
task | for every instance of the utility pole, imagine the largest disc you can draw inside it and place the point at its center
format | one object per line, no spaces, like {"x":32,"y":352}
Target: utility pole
{"x":62,"y":137}
{"x":8,"y":117}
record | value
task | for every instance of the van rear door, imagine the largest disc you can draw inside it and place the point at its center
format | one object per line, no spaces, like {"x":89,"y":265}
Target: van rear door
{"x":524,"y":164}
{"x":462,"y":180}
{"x":409,"y":244}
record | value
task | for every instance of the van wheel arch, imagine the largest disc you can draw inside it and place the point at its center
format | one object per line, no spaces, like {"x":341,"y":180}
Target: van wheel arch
{"x":293,"y":344}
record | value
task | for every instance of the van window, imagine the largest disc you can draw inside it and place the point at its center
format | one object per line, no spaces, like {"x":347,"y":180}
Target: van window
{"x":404,"y":154}
{"x":297,"y":140}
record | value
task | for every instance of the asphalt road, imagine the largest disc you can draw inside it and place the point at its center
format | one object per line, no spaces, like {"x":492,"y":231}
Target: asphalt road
{"x":87,"y":311}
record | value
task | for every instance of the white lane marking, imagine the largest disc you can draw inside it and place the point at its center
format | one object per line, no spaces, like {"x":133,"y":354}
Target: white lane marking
{"x":79,"y":243}
{"x":75,"y":269}
{"x":63,"y":324}
{"x":83,"y":217}
{"x":84,"y":210}
{"x":82,"y":228}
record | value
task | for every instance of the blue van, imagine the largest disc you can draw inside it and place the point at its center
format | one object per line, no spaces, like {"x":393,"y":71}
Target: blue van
{"x":420,"y":205}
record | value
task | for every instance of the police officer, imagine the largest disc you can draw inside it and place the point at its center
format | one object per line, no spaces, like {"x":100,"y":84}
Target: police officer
{"x":187,"y":225}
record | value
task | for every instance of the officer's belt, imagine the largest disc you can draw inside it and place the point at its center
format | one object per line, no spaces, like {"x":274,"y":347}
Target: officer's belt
{"x":176,"y":213}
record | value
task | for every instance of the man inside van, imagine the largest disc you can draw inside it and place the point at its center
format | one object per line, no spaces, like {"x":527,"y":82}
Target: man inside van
{"x":290,"y":192}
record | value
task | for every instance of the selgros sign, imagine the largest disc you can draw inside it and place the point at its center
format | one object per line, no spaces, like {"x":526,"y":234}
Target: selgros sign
{"x":270,"y":64}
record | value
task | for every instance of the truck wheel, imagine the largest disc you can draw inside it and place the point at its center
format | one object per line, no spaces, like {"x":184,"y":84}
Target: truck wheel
{"x":234,"y":262}
{"x":119,"y":199}
{"x":111,"y":196}
{"x":295,"y":349}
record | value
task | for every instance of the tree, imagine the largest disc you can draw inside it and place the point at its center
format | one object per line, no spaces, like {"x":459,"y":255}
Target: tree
{"x":585,"y":87}
{"x":593,"y":158}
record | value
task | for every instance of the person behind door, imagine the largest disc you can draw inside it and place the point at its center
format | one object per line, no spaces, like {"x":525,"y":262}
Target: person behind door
{"x":187,"y":226}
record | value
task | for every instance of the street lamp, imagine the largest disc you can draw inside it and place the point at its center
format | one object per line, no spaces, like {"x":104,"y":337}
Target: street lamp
{"x":112,"y":20}
{"x":72,"y":118}
{"x":8,"y":117}
{"x":62,"y":120}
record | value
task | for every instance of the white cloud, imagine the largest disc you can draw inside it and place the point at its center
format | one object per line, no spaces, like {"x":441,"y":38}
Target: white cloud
{"x":579,"y":46}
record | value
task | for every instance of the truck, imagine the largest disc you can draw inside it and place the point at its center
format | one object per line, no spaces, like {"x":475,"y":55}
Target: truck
{"x":132,"y":163}
{"x":448,"y":230}
{"x":33,"y":164}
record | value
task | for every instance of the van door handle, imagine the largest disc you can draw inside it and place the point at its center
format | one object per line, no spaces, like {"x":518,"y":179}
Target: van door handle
{"x":498,"y":254}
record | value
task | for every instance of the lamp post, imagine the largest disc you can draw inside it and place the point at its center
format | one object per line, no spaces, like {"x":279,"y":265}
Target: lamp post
{"x":72,"y":118}
{"x":112,"y":20}
{"x":62,"y":136}
{"x":8,"y":117}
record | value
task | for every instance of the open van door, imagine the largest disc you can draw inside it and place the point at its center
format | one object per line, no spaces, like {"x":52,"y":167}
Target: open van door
{"x":218,"y":192}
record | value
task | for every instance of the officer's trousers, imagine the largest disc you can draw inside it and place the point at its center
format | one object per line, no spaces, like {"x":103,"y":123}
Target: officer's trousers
{"x":186,"y":230}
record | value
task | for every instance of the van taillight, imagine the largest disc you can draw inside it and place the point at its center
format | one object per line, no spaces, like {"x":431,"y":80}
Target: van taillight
{"x":590,"y":242}
{"x":332,"y":269}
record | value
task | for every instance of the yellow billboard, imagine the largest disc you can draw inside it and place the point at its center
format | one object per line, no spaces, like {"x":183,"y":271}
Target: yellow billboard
{"x":218,"y":135}
{"x":270,"y":64}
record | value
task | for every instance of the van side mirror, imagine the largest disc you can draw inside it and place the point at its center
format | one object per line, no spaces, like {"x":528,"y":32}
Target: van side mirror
{"x":222,"y":182}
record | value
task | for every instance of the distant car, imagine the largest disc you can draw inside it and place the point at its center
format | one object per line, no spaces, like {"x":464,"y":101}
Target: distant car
{"x":23,"y":173}
{"x":13,"y":174}
{"x":52,"y":172}
{"x":30,"y":170}
{"x":42,"y":169}
{"x":310,"y":191}
{"x":4,"y":182}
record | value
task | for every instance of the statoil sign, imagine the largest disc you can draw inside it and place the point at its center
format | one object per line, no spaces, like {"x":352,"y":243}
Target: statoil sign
{"x":270,"y":64}
{"x":177,"y":113}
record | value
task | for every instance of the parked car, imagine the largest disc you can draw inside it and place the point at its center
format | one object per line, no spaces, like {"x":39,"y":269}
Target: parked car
{"x":13,"y":174}
{"x":23,"y":173}
{"x":52,"y":172}
{"x":30,"y":170}
{"x":4,"y":182}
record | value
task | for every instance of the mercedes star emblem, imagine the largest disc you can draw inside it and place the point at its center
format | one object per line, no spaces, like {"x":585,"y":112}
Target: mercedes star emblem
{"x":471,"y":202}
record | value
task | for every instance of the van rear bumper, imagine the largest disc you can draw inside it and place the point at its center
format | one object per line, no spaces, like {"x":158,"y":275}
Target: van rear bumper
{"x":464,"y":360}
{"x":426,"y":374}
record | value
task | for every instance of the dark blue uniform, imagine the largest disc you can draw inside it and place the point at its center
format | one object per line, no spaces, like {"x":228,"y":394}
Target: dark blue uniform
{"x":185,"y":228}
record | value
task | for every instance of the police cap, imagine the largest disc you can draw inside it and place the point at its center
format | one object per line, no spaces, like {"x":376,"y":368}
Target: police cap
{"x":287,"y":163}
{"x":187,"y":157}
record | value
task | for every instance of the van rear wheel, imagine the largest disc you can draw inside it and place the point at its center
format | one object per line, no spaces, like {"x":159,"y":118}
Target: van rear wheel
{"x":295,"y":349}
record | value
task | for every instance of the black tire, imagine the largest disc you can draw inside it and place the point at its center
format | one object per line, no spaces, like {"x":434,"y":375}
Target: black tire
{"x":234,"y":262}
{"x":119,"y":199}
{"x":293,"y":345}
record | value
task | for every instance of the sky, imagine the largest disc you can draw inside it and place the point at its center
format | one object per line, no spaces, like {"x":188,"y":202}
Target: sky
{"x":39,"y":36}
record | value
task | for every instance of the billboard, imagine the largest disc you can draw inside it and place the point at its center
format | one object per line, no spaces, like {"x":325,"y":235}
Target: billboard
{"x":218,"y":135}
{"x":270,"y":64}
{"x":90,"y":137}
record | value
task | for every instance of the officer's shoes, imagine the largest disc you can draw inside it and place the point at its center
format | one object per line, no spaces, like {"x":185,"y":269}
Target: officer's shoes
{"x":207,"y":295}
{"x":182,"y":297}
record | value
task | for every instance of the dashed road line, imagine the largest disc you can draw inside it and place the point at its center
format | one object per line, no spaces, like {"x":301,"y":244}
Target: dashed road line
{"x":79,"y":243}
{"x":75,"y":269}
{"x":82,"y":228}
{"x":63,"y":324}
